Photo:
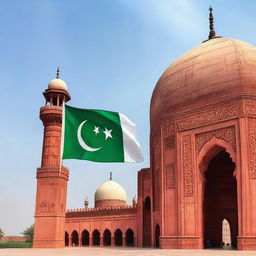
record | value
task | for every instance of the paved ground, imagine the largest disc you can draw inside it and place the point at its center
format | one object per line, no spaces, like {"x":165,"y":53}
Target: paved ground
{"x":120,"y":252}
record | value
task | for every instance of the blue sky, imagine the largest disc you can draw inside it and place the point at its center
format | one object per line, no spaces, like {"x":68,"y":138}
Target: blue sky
{"x":111,"y":54}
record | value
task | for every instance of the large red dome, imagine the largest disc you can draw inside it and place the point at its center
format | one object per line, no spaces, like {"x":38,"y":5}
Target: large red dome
{"x":218,"y":69}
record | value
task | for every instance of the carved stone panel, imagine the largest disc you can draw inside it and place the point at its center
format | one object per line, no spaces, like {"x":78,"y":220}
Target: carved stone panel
{"x":156,"y":189}
{"x":168,"y":128}
{"x":252,"y":147}
{"x":187,"y":165}
{"x":156,"y":138}
{"x":170,"y":176}
{"x":211,"y":115}
{"x":169,"y":142}
{"x":226,"y":133}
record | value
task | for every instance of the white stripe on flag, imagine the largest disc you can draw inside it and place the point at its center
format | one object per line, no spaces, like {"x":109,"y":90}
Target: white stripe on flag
{"x":132,"y":150}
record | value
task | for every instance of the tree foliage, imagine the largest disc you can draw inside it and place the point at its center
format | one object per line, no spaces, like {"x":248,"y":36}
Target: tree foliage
{"x":29,"y":232}
{"x":1,"y":233}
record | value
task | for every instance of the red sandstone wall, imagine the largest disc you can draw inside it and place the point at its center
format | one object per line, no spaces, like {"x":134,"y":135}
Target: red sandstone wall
{"x":14,"y":239}
{"x":144,"y":221}
{"x":111,"y":218}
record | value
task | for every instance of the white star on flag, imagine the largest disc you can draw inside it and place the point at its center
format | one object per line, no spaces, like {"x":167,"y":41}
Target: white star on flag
{"x":107,"y":133}
{"x":96,"y":130}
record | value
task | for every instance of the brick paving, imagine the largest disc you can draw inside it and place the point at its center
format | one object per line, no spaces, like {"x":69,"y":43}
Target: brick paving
{"x":120,"y":252}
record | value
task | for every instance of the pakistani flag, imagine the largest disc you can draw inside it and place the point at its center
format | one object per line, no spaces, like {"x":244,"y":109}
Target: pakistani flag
{"x":100,"y":136}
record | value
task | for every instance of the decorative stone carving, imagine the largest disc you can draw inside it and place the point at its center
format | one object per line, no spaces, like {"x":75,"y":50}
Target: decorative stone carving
{"x":250,"y":107}
{"x":211,"y":115}
{"x":227,"y":134}
{"x":156,"y":189}
{"x":187,"y":165}
{"x":170,"y":176}
{"x":169,"y":142}
{"x":168,"y":128}
{"x":156,"y":138}
{"x":252,"y":147}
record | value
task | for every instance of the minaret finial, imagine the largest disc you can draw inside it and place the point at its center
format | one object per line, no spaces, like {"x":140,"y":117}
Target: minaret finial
{"x":110,"y":176}
{"x":58,"y":73}
{"x":212,"y":33}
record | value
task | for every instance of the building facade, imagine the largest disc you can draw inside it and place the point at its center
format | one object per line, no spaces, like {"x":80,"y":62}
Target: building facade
{"x":202,"y":161}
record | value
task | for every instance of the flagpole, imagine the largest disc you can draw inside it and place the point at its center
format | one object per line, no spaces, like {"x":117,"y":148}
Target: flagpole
{"x":62,"y":134}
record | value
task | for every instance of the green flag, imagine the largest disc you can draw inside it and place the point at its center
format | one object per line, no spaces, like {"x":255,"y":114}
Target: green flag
{"x":100,"y":136}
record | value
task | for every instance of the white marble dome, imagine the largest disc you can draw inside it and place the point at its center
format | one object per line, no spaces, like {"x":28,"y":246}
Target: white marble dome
{"x":110,"y":190}
{"x":57,"y":83}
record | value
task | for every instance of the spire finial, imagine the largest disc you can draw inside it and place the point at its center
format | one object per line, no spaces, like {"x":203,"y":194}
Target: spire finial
{"x":58,"y":73}
{"x":110,"y":176}
{"x":212,"y":33}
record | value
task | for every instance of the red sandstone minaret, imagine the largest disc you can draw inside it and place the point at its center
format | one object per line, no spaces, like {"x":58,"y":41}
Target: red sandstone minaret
{"x":51,"y":178}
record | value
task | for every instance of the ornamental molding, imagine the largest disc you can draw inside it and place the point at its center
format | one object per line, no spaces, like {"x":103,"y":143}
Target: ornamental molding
{"x":205,"y":116}
{"x":210,"y":116}
{"x":187,"y":165}
{"x":226,"y":133}
{"x":156,"y":182}
{"x":252,"y":147}
{"x":170,"y":176}
{"x":169,"y":142}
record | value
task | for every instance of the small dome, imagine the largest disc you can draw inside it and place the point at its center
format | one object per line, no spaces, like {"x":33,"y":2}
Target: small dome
{"x":110,"y":193}
{"x":57,"y":83}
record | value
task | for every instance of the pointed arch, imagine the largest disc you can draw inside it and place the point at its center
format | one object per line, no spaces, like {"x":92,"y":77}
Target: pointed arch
{"x":147,"y":222}
{"x":211,"y":149}
{"x":118,"y":237}
{"x":66,"y":238}
{"x":74,"y":237}
{"x":129,"y":237}
{"x":96,"y":237}
{"x":85,"y":238}
{"x":107,"y":237}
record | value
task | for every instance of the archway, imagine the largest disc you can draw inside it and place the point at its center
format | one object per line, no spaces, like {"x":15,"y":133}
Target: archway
{"x":96,"y":237}
{"x":147,"y":222}
{"x":66,"y":238}
{"x":118,"y":237}
{"x":157,"y":235}
{"x":85,"y":238}
{"x":129,"y":237}
{"x":107,"y":237}
{"x":220,"y":199}
{"x":74,"y":237}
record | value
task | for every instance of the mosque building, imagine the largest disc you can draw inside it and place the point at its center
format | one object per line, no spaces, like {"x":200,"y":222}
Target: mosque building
{"x":202,"y":162}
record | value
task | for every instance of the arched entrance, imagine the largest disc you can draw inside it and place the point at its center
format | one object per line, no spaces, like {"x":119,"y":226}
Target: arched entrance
{"x":157,"y":234}
{"x":107,"y":237}
{"x":66,"y":238}
{"x":74,"y":237}
{"x":220,"y":199}
{"x":96,"y":237}
{"x":85,"y":238}
{"x":129,"y":237}
{"x":147,"y":222}
{"x":118,"y":237}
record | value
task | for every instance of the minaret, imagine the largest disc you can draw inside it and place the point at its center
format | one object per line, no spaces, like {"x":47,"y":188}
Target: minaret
{"x":86,"y":203}
{"x":52,"y":178}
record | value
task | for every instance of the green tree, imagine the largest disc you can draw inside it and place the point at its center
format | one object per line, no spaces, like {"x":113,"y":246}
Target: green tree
{"x":1,"y":233}
{"x":29,"y":233}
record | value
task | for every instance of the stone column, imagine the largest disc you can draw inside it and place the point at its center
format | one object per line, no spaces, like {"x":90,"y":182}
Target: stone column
{"x":90,"y":241}
{"x":124,"y":241}
{"x":80,"y":241}
{"x":135,"y":241}
{"x":113,"y":241}
{"x":101,"y":241}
